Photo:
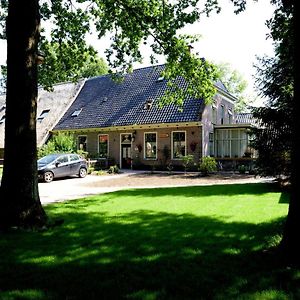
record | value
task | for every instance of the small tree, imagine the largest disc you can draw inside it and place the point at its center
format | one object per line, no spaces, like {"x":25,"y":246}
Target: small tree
{"x":207,"y":165}
{"x":186,"y":160}
{"x":61,"y":142}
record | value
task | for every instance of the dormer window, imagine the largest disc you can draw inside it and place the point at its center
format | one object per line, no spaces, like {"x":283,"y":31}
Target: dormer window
{"x":148,"y":104}
{"x":2,"y":107}
{"x":43,"y":115}
{"x":160,"y":78}
{"x":76,"y":113}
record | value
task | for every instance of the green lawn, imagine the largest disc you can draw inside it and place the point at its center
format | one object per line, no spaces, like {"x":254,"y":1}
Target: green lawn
{"x":171,"y":243}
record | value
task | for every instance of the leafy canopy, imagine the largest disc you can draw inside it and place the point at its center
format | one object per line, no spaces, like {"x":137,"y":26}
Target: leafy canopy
{"x":275,"y":79}
{"x":130,"y":23}
{"x":236,"y":85}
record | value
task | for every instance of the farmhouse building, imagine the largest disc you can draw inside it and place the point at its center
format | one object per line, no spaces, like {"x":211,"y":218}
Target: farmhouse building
{"x":121,"y":123}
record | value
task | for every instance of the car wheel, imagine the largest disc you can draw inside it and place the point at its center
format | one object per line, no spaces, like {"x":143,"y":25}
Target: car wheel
{"x":48,"y":176}
{"x":82,"y":172}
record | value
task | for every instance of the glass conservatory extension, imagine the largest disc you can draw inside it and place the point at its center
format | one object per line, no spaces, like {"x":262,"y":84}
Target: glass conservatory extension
{"x":233,"y":143}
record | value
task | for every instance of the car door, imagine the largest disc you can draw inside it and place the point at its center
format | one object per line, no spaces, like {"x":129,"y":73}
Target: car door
{"x":74,"y":164}
{"x":62,"y":167}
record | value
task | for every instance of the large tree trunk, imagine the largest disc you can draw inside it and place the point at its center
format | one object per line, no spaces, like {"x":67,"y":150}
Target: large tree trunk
{"x":290,"y":242}
{"x":20,"y":203}
{"x":291,"y":237}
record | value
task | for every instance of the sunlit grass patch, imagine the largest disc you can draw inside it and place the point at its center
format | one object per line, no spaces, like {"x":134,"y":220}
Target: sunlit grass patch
{"x":168,"y":243}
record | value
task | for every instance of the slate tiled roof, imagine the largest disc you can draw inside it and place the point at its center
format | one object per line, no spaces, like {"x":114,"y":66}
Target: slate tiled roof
{"x":104,"y":103}
{"x":244,"y":118}
{"x":221,"y":86}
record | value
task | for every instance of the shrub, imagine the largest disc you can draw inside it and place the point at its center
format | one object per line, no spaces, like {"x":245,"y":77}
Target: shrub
{"x":59,"y":143}
{"x":113,"y":170}
{"x":186,"y":160}
{"x":242,"y":169}
{"x":207,"y":165}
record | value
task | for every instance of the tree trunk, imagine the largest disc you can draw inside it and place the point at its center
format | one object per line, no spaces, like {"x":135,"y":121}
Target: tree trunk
{"x":290,"y":242}
{"x":20,"y":203}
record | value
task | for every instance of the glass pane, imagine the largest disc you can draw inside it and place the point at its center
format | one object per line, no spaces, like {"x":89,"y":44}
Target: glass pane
{"x":234,"y":134}
{"x":235,"y":148}
{"x":178,"y":144}
{"x":82,"y":143}
{"x":103,"y":145}
{"x":150,"y":145}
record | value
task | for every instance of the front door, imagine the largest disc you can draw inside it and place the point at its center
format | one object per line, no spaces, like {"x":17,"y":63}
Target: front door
{"x":126,"y":156}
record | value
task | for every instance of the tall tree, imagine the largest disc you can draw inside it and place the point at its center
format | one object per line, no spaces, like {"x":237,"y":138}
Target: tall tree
{"x":277,"y":138}
{"x":236,"y":85}
{"x":131,"y":23}
{"x":20,"y":202}
{"x":80,"y":64}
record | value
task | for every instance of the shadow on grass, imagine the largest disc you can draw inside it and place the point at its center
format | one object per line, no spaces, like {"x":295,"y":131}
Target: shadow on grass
{"x":143,"y":255}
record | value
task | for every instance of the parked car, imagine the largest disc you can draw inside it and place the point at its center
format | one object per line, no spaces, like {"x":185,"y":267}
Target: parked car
{"x":61,"y":165}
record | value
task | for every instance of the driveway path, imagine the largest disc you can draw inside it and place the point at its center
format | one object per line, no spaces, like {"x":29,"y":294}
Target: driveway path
{"x":73,"y":188}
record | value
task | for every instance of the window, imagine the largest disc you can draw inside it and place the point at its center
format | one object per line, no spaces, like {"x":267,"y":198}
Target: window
{"x":2,"y":119}
{"x":214,"y":113}
{"x":150,"y":146}
{"x":231,"y":143}
{"x":63,"y":159}
{"x":43,"y":115}
{"x":103,"y":145}
{"x":2,"y":107}
{"x":76,"y":113}
{"x":148,"y":104}
{"x":229,"y":116}
{"x":178,"y":144}
{"x":74,"y":157}
{"x":82,"y":143}
{"x":222,"y":114}
{"x":211,"y":144}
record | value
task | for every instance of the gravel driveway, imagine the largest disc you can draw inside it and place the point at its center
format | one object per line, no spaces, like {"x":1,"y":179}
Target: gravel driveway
{"x":73,"y":188}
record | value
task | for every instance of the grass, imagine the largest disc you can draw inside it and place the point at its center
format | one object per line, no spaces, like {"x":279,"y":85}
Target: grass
{"x":170,"y":243}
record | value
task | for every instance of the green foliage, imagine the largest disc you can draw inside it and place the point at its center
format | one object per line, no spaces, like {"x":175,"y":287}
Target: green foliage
{"x":242,"y":169}
{"x":68,"y":62}
{"x":58,"y":143}
{"x":236,"y":85}
{"x":187,"y":160}
{"x":113,"y":170}
{"x":275,"y":79}
{"x":84,"y":154}
{"x":207,"y":165}
{"x":131,"y":23}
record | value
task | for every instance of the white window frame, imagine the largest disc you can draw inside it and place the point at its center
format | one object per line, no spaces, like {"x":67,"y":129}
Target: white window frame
{"x":107,"y":144}
{"x":172,"y":148}
{"x":150,"y":158}
{"x":229,"y":139}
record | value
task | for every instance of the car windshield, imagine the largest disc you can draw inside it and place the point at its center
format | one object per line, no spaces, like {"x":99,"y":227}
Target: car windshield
{"x":47,"y":159}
